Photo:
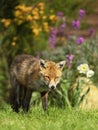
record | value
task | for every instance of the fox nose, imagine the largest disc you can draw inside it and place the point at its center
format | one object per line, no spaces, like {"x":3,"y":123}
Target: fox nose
{"x":52,"y":87}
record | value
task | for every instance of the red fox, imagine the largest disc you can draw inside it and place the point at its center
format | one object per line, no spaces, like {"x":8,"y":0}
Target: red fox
{"x":29,"y":74}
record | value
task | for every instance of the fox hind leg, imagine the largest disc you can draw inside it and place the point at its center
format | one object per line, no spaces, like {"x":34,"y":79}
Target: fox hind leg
{"x":14,"y":98}
{"x":14,"y":95}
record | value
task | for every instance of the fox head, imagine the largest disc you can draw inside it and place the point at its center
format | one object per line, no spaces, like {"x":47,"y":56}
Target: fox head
{"x":51,"y":72}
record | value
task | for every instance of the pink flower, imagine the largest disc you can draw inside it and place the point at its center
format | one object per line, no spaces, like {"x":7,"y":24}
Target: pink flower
{"x":76,"y":24}
{"x":81,"y":13}
{"x":60,"y":14}
{"x":52,"y":38}
{"x":80,"y":40}
{"x":69,"y":59}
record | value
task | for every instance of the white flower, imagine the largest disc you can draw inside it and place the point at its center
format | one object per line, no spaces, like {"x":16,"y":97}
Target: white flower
{"x":89,"y":73}
{"x":83,"y":68}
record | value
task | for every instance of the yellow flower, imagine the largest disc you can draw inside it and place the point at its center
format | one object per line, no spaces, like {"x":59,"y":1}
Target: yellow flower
{"x":51,"y":10}
{"x":29,"y":18}
{"x":42,"y":8}
{"x":17,"y":13}
{"x":44,"y":17}
{"x":15,"y":38}
{"x":46,"y":26}
{"x":52,"y":17}
{"x":35,"y":11}
{"x":3,"y":20}
{"x":6,"y":22}
{"x":19,"y":22}
{"x":36,"y":17}
{"x":45,"y":23}
{"x":29,"y":8}
{"x":46,"y":29}
{"x":36,"y":31}
{"x":21,"y":17}
{"x":13,"y":43}
{"x":22,"y":7}
{"x":41,"y":4}
{"x":41,"y":12}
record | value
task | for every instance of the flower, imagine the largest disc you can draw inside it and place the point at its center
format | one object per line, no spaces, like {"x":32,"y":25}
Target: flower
{"x":60,"y":14}
{"x":6,"y":22}
{"x":89,"y":73}
{"x":36,"y":17}
{"x":69,"y":59}
{"x":52,"y":38}
{"x":46,"y":26}
{"x":53,"y":31}
{"x":76,"y":24}
{"x":83,"y":68}
{"x":79,"y":40}
{"x":52,"y":41}
{"x":41,"y":12}
{"x":91,"y":31}
{"x":62,"y":28}
{"x":52,"y":17}
{"x":41,"y":4}
{"x":13,"y":43}
{"x":29,"y":18}
{"x":44,"y":17}
{"x":81,"y":13}
{"x":36,"y":31}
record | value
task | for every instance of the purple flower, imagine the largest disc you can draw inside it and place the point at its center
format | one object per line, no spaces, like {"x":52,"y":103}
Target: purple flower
{"x":62,"y":28}
{"x":69,"y":59}
{"x":60,"y":14}
{"x":53,"y":31}
{"x":76,"y":24}
{"x":81,"y":13}
{"x":52,"y":38}
{"x":63,"y":25}
{"x":91,"y":31}
{"x":52,"y":41}
{"x":80,"y":40}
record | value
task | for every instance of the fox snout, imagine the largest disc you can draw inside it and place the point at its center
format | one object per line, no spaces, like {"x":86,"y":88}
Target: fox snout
{"x":52,"y":87}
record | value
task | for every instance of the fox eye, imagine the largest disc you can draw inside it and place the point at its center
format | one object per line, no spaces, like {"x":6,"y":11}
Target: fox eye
{"x":47,"y":78}
{"x":57,"y":77}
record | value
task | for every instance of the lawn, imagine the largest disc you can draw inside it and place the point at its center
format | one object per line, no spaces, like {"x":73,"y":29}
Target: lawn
{"x":54,"y":119}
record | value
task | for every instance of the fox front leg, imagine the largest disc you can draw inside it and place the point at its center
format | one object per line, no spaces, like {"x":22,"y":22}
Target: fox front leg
{"x":44,"y":96}
{"x":26,"y":102}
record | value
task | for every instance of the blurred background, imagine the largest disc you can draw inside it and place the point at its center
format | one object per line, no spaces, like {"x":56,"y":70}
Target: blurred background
{"x":50,"y":29}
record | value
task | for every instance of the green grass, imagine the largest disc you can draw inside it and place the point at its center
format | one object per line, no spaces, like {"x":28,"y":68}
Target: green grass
{"x":53,"y":119}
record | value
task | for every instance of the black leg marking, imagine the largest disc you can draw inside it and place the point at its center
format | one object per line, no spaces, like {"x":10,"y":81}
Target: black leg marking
{"x":44,"y":96}
{"x":26,"y":102}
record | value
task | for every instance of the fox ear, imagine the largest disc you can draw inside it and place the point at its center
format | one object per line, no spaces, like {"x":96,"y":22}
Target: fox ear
{"x":61,"y":64}
{"x":42,"y":63}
